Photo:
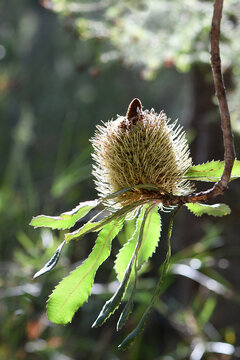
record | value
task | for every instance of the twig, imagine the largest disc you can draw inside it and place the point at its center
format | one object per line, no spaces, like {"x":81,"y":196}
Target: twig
{"x":229,"y":151}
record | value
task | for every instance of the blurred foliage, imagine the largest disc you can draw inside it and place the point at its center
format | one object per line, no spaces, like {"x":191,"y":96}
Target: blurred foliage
{"x":56,"y":83}
{"x":149,"y":34}
{"x":166,"y":32}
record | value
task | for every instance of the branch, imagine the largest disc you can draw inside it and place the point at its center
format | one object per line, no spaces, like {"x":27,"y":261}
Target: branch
{"x":229,"y":152}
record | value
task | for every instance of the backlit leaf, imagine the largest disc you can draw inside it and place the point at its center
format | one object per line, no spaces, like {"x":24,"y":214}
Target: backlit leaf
{"x":74,"y":290}
{"x":97,"y":225}
{"x":212,"y":171}
{"x":112,"y":304}
{"x":88,"y":227}
{"x":67,"y":219}
{"x":163,"y":271}
{"x":151,"y":234}
{"x":214,"y":210}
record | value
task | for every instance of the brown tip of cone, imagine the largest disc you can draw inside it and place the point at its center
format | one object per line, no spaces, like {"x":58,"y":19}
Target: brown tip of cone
{"x":133,"y":108}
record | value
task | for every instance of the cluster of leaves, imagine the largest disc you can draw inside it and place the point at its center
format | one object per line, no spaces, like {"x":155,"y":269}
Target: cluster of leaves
{"x":74,"y":290}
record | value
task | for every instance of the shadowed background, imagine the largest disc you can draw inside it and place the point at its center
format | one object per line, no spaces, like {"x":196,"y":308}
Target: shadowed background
{"x":63,"y":70}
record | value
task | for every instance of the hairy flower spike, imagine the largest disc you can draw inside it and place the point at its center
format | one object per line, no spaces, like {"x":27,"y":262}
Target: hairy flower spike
{"x":142,"y":161}
{"x":140,"y":148}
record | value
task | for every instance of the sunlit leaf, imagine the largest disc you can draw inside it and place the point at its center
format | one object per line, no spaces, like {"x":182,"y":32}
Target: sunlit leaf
{"x":151,"y":234}
{"x":163,"y":271}
{"x":88,"y":227}
{"x":51,"y":263}
{"x":214,"y":210}
{"x":112,"y":304}
{"x":74,"y":290}
{"x":97,"y":225}
{"x":67,"y":219}
{"x":212,"y":171}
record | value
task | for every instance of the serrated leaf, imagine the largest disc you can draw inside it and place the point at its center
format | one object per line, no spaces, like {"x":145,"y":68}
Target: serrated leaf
{"x":51,"y":263}
{"x":211,"y":171}
{"x":97,"y":225}
{"x":88,"y":227}
{"x":127,"y":308}
{"x":151,"y":234}
{"x":74,"y":290}
{"x":163,"y":271}
{"x":112,"y":304}
{"x":67,"y":219}
{"x":214,"y":210}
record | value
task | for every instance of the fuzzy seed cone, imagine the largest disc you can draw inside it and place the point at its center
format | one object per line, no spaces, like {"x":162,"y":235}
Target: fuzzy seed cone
{"x":140,"y":148}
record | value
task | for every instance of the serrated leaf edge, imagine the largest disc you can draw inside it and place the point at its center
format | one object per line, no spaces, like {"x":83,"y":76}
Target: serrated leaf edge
{"x":78,"y":284}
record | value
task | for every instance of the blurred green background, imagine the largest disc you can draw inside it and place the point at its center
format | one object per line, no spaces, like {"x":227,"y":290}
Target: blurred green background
{"x":66,"y":66}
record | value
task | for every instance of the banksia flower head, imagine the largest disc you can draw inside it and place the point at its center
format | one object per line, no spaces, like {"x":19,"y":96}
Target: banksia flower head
{"x":140,"y":148}
{"x":142,"y":164}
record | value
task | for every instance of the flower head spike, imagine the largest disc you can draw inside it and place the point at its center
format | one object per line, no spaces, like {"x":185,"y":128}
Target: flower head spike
{"x":140,"y":148}
{"x":142,"y":164}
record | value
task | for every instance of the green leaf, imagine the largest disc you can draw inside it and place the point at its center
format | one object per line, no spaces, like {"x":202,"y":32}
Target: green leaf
{"x":127,"y":308}
{"x":133,"y":334}
{"x":97,"y":225}
{"x":211,"y":171}
{"x":112,"y":304}
{"x":88,"y":227}
{"x":214,"y":210}
{"x":51,"y":263}
{"x":75,"y":289}
{"x":163,"y":271}
{"x":151,"y":234}
{"x":67,"y":219}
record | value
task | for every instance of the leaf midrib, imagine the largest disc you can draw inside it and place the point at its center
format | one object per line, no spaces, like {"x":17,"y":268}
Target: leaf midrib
{"x":147,"y":229}
{"x":79,"y":282}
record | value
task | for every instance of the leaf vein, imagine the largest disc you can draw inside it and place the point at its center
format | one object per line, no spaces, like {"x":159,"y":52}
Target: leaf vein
{"x":99,"y":255}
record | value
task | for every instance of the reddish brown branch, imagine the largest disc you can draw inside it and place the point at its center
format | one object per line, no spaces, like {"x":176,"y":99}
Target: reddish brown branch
{"x":229,"y":152}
